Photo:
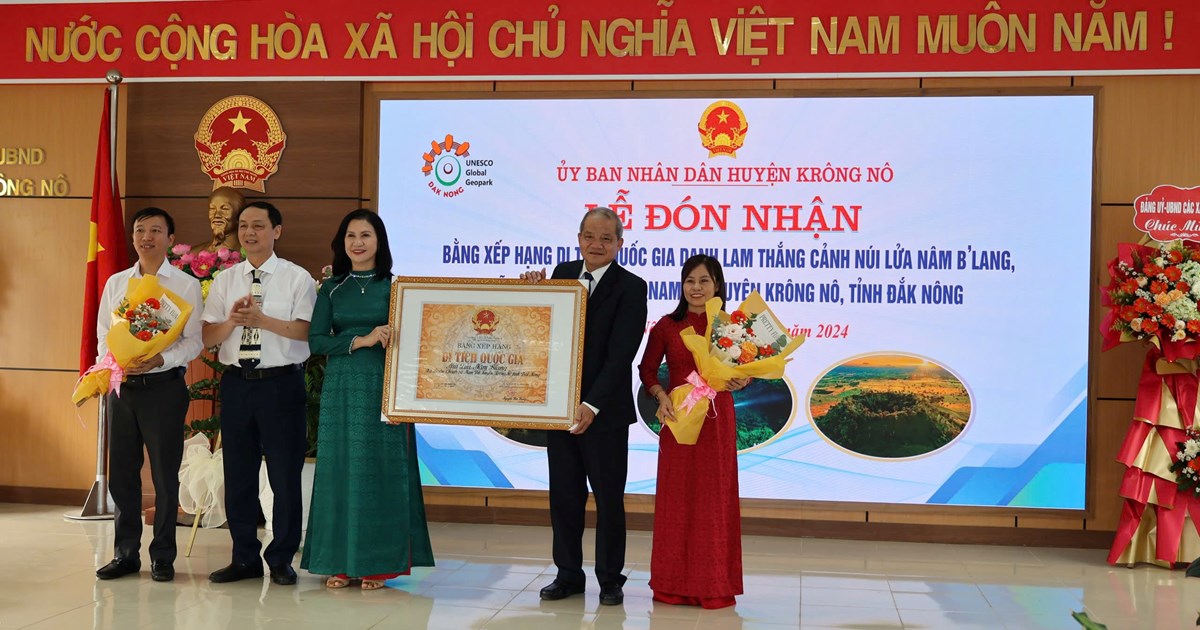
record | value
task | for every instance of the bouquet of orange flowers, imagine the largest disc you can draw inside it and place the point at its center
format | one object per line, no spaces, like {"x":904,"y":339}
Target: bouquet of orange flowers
{"x":1152,"y":296}
{"x":747,"y":343}
{"x":147,"y":321}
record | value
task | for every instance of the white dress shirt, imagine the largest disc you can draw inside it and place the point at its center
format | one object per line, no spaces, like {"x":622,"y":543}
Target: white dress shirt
{"x":596,"y":275}
{"x":188,"y":345}
{"x":289,"y":294}
{"x":595,"y":281}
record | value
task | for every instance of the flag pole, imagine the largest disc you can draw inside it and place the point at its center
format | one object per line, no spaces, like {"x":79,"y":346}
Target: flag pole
{"x":114,"y":79}
{"x":99,"y":504}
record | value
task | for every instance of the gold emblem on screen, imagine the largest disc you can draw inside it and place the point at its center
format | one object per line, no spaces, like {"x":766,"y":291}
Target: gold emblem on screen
{"x":240,"y":141}
{"x":722,"y":128}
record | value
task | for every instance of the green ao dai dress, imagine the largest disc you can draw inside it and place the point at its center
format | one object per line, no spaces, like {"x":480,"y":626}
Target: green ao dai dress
{"x":367,"y":515}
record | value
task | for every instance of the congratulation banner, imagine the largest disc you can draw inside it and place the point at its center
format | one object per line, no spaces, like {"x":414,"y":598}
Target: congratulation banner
{"x":1168,"y":213}
{"x":935,"y":252}
{"x":506,"y":39}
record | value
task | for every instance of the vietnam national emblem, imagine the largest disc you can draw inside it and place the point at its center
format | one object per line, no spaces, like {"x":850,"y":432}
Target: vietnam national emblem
{"x":485,"y":322}
{"x":722,"y":128}
{"x":240,"y":141}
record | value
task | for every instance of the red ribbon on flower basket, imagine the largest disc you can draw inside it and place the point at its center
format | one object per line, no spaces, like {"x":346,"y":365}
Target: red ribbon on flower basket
{"x":1152,"y":297}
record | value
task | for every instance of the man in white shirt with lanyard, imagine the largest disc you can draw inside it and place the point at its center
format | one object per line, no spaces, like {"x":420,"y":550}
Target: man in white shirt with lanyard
{"x":151,"y":409}
{"x":259,"y":311}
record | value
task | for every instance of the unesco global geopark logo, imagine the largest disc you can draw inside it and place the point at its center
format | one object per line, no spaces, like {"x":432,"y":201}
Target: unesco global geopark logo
{"x":451,"y":168}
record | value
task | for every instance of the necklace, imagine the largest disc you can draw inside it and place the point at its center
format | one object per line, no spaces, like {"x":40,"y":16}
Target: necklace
{"x":362,"y":288}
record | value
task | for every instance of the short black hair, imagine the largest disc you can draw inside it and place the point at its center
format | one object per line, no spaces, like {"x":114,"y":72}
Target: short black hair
{"x":383,"y":252}
{"x":272,"y":212}
{"x":146,"y":213}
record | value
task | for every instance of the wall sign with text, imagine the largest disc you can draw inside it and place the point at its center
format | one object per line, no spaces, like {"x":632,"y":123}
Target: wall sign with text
{"x":471,"y":40}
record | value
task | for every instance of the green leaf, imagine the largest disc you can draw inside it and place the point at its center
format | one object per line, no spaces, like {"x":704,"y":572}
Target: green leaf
{"x":212,"y":362}
{"x":314,"y":378}
{"x":1087,"y":622}
{"x":203,"y":386}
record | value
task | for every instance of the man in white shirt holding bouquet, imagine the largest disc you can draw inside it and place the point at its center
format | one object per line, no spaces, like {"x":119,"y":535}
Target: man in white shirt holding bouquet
{"x":151,"y":409}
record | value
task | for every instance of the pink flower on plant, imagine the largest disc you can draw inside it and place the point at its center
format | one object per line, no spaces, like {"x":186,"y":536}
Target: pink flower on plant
{"x":202,"y":265}
{"x":199,"y":268}
{"x":181,"y":249}
{"x":186,"y":260}
{"x":223,"y":253}
{"x":230,"y":260}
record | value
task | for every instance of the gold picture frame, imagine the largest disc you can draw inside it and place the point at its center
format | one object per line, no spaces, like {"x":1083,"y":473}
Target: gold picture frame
{"x":494,"y":352}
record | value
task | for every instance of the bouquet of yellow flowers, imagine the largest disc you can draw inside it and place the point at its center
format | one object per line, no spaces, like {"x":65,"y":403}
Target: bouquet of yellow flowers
{"x":747,"y":343}
{"x":147,"y":321}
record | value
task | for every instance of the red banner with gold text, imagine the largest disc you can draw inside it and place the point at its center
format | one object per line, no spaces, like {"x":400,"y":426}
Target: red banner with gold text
{"x":473,"y":39}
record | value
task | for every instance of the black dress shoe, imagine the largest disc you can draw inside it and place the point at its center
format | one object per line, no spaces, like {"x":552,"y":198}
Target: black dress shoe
{"x":235,"y":572}
{"x":162,"y":572}
{"x":1193,"y":569}
{"x":560,"y":590}
{"x":612,"y":595}
{"x":283,"y":575}
{"x":119,"y":567}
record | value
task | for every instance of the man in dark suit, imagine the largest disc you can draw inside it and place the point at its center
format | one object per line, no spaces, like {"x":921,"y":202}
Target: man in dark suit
{"x":596,"y":448}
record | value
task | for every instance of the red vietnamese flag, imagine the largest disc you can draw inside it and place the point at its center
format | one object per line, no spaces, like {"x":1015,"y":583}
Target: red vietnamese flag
{"x":107,"y":252}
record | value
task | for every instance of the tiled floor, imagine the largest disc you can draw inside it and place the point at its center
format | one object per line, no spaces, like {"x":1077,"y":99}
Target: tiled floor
{"x":488,"y":577}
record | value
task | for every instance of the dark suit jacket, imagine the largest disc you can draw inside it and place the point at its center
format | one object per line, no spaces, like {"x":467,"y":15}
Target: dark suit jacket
{"x":616,"y":321}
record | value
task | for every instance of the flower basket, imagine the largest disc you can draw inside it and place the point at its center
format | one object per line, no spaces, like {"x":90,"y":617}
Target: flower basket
{"x":1152,"y":297}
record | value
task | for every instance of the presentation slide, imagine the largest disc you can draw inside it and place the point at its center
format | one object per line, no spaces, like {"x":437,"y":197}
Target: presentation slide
{"x":934,"y":251}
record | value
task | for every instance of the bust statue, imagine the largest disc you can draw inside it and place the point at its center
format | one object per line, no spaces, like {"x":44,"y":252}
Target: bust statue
{"x":223,"y":206}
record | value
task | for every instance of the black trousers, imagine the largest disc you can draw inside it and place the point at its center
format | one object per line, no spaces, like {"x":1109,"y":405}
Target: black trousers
{"x":149,"y":416}
{"x":601,"y":458}
{"x":263,"y":419}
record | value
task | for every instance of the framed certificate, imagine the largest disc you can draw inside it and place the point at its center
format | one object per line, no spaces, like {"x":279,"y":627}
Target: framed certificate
{"x":492,"y":352}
